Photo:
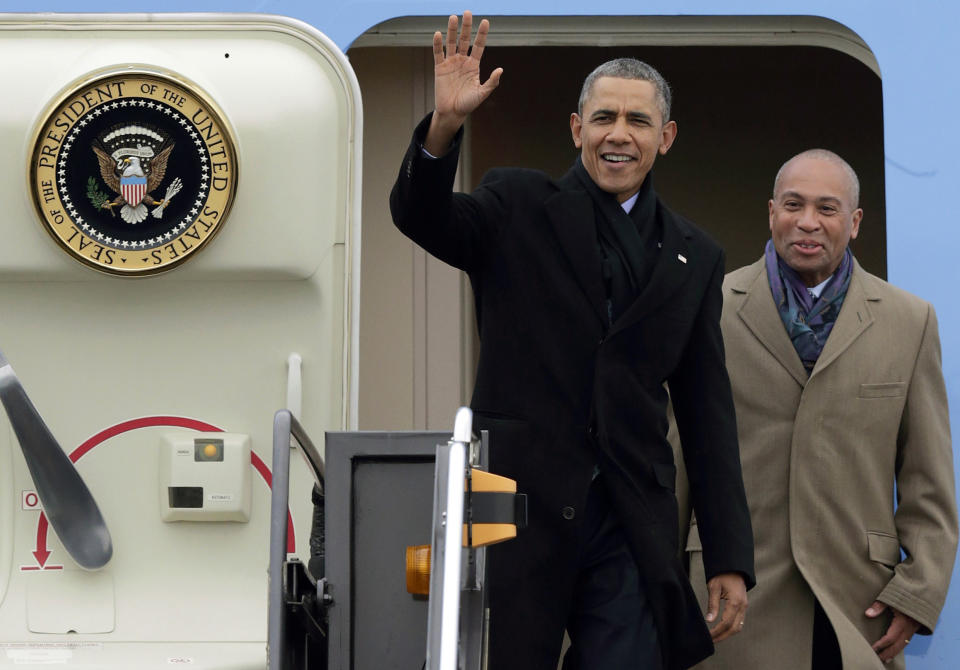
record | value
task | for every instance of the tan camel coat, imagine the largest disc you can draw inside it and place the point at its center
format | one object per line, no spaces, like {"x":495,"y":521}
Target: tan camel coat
{"x":820,"y":457}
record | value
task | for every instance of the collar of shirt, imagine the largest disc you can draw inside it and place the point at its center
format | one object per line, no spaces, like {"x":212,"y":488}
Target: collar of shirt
{"x":818,"y":289}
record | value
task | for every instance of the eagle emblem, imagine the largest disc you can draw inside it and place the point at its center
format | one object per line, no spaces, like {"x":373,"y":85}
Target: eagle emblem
{"x":133,"y":172}
{"x":133,"y":163}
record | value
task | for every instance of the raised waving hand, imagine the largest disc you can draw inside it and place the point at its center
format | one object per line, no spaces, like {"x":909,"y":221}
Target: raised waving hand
{"x":457,"y":87}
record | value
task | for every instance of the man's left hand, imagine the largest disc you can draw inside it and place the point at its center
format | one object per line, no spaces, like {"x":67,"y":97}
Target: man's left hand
{"x":727,"y":586}
{"x":898,"y":635}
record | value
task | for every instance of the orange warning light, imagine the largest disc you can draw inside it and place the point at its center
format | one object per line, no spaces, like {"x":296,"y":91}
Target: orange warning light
{"x":418,"y":569}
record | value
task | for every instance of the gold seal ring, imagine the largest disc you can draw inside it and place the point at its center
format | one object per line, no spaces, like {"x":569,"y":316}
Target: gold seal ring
{"x":133,"y":172}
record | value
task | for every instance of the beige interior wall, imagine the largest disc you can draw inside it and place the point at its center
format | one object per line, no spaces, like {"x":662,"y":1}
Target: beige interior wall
{"x":386,"y":281}
{"x":412,"y":351}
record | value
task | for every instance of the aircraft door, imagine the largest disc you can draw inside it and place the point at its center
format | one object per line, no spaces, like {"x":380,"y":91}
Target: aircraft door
{"x":180,"y":246}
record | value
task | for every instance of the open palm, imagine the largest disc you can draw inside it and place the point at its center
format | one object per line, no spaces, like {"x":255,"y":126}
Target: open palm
{"x":458,"y":89}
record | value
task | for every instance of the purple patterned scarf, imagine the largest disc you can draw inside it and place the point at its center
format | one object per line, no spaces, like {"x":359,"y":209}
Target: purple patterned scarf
{"x":808,"y":320}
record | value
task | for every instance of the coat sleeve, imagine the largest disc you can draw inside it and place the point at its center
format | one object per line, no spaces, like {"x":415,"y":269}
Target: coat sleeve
{"x":926,"y":515}
{"x":454,"y":227}
{"x":707,"y":426}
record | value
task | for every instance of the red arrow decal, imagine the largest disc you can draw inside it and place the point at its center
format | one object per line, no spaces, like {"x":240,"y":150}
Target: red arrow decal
{"x":41,"y":553}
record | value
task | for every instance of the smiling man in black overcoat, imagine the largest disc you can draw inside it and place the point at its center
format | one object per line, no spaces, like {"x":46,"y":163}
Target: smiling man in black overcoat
{"x":592,"y":300}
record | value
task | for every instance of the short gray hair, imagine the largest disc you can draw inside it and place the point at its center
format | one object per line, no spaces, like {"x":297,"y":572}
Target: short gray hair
{"x":829,"y":156}
{"x":629,"y":68}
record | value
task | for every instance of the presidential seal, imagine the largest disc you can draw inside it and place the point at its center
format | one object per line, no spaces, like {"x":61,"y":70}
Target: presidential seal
{"x":133,"y":173}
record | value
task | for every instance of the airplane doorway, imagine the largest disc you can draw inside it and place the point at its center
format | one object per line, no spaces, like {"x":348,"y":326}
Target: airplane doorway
{"x":749,"y":92}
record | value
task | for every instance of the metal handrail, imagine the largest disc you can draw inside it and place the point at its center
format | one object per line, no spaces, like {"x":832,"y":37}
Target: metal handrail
{"x":443,"y":619}
{"x":285,"y":426}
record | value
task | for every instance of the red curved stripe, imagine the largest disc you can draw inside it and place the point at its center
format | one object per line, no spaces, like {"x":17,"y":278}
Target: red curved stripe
{"x":142,"y":422}
{"x":179,"y":422}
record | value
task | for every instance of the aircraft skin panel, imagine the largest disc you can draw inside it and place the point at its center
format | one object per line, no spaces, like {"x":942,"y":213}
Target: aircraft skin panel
{"x":149,"y":656}
{"x":121,"y":368}
{"x":7,"y":506}
{"x":229,"y":61}
{"x":191,"y":370}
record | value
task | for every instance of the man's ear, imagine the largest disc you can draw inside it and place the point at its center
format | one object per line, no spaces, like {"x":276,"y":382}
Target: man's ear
{"x":667,"y":135}
{"x":856,"y":217}
{"x":576,"y":125}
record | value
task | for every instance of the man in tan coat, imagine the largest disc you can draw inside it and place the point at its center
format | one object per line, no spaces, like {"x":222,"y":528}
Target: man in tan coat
{"x":840,"y":406}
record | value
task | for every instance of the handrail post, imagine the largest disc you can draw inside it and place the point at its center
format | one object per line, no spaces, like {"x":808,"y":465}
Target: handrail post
{"x":279,"y":501}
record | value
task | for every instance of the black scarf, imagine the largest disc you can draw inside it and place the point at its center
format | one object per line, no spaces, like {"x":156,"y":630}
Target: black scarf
{"x":628,"y":243}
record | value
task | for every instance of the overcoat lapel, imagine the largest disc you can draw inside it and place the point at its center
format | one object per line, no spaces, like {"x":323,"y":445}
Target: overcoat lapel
{"x":759,"y":314}
{"x":669,"y":273}
{"x":571,"y":213}
{"x":854,"y":318}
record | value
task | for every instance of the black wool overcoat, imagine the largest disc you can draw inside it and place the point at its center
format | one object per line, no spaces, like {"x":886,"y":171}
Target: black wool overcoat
{"x":561,"y":392}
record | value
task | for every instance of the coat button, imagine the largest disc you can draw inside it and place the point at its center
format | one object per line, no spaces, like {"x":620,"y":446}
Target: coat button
{"x":568,"y":513}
